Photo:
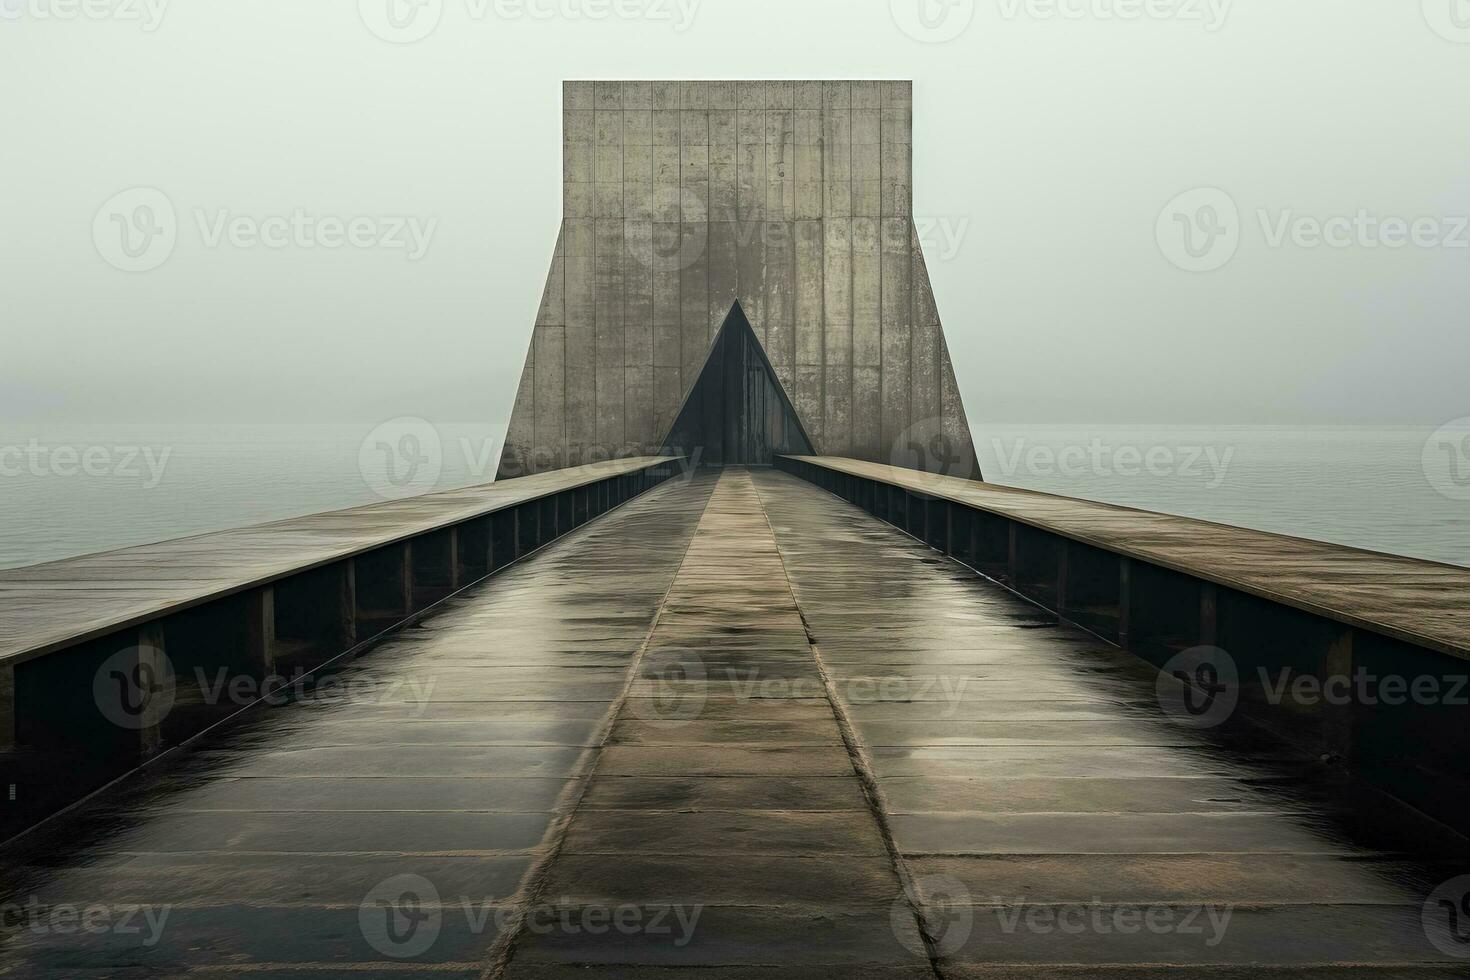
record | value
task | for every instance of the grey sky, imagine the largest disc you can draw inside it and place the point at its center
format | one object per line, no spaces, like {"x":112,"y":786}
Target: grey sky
{"x":1046,"y":150}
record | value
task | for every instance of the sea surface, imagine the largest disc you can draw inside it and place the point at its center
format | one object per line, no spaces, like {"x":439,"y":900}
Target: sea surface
{"x":74,"y":489}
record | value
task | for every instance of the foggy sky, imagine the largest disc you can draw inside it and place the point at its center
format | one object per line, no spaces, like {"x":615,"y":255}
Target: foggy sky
{"x":1046,"y":149}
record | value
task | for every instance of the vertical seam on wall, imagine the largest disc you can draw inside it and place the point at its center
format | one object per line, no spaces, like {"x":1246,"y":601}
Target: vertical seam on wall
{"x":882,"y":356}
{"x":851,"y":295}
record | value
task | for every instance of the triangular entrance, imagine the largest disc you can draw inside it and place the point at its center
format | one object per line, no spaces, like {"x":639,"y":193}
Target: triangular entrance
{"x":737,"y":412}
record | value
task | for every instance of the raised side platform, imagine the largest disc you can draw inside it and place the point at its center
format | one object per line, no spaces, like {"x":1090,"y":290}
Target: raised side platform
{"x":1358,"y":657}
{"x":108,"y":659}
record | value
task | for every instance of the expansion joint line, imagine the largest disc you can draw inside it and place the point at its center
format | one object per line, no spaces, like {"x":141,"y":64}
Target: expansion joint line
{"x":570,"y":801}
{"x":861,"y":763}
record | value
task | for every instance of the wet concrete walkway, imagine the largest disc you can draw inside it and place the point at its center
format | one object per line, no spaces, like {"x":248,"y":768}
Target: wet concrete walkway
{"x":1054,"y":819}
{"x":736,"y":723}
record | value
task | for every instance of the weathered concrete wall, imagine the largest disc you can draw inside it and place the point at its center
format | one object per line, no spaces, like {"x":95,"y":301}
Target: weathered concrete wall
{"x":795,"y":198}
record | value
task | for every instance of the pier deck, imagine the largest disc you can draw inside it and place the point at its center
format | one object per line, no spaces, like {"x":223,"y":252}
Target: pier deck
{"x":735,"y":723}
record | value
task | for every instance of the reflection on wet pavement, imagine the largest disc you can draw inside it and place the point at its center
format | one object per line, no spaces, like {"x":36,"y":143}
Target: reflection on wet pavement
{"x":437,"y":767}
{"x":735,"y":724}
{"x":1046,"y":809}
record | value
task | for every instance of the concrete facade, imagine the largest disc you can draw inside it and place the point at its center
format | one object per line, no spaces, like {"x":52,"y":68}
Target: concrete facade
{"x":794,"y":198}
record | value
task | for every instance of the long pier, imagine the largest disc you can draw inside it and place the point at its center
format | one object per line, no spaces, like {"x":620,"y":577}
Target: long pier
{"x":830,"y":722}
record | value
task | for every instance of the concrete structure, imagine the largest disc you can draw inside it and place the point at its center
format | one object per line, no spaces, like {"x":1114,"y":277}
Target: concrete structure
{"x":633,"y":718}
{"x":794,"y":198}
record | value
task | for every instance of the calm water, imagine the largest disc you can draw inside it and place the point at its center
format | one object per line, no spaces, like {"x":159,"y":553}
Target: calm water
{"x":1390,"y":489}
{"x":68,"y":490}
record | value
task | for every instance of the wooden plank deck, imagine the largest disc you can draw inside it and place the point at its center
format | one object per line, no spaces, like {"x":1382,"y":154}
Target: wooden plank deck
{"x":55,"y":604}
{"x":1419,"y":602}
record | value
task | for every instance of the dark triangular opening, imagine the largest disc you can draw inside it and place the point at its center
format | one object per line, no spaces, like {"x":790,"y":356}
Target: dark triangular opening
{"x":737,"y":412}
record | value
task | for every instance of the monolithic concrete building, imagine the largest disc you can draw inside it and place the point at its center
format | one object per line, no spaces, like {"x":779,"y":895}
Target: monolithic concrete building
{"x":781,"y":210}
